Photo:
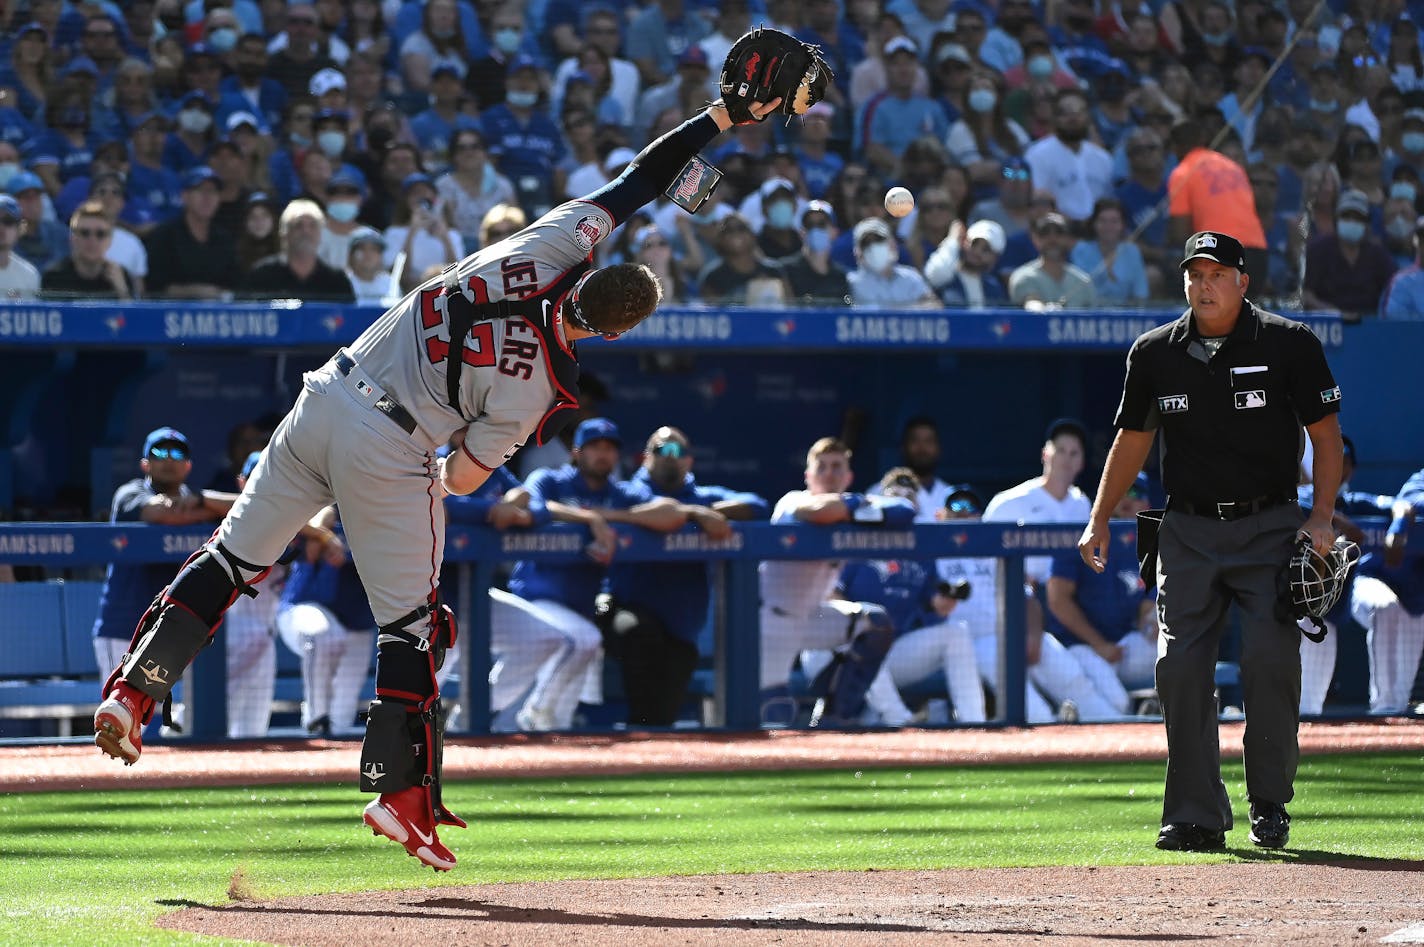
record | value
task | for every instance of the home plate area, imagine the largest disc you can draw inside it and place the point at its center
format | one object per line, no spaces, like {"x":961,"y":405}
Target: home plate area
{"x":1259,"y":902}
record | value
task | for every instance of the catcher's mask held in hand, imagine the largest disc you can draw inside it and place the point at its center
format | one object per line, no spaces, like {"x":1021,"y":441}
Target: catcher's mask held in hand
{"x":1310,"y":585}
{"x":765,"y":64}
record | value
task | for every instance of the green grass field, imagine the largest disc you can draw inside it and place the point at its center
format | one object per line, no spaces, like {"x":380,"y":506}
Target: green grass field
{"x":89,"y":868}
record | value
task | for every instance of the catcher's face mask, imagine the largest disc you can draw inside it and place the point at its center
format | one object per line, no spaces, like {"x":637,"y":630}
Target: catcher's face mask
{"x":1311,"y":584}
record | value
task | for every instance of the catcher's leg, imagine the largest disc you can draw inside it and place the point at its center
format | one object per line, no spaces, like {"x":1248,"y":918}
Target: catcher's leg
{"x":169,"y":636}
{"x":402,"y":753}
{"x":867,"y":638}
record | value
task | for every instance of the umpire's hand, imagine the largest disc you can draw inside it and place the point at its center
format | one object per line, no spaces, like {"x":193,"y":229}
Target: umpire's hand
{"x":1320,"y":530}
{"x":1093,"y":545}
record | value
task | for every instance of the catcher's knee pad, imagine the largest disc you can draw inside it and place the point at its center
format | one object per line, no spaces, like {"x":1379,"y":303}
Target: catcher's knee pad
{"x":871,"y":634}
{"x":411,"y":650}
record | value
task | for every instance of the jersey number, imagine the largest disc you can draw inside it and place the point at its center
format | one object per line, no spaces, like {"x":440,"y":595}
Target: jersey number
{"x":479,"y":346}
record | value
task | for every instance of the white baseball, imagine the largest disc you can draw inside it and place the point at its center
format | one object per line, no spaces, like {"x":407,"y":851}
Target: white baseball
{"x":899,"y":201}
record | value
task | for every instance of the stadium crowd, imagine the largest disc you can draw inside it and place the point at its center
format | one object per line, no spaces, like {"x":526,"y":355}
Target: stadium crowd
{"x":221,"y":149}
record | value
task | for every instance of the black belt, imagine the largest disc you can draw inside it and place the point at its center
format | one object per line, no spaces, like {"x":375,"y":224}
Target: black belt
{"x":385,"y":404}
{"x":1231,"y":510}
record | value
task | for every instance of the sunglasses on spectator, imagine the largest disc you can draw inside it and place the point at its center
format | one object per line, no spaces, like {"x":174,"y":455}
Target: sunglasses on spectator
{"x":1016,"y":174}
{"x":1054,"y":229}
{"x":9,"y":221}
{"x":98,"y":33}
{"x":1363,"y":61}
{"x":470,"y":146}
{"x":670,"y":449}
{"x":168,"y":452}
{"x":91,"y":233}
{"x":1142,"y":149}
{"x":106,"y":192}
{"x":302,"y":20}
{"x":654,"y":242}
{"x":961,"y":506}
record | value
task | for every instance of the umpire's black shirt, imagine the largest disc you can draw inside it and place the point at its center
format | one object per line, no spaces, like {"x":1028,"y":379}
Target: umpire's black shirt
{"x":1230,"y":421}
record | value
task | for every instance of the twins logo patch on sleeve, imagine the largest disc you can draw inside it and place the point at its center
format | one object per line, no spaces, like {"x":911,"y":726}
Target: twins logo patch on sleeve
{"x":588,"y":231}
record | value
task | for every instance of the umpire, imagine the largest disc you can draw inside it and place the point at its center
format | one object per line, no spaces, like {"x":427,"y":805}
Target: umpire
{"x":1230,"y":386}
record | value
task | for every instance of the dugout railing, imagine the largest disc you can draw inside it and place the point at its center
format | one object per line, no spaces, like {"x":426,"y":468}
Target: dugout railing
{"x":46,"y":661}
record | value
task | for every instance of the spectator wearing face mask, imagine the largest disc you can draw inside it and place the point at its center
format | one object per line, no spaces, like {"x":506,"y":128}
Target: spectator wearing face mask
{"x":344,"y":194}
{"x":1349,"y":269}
{"x":877,"y":279}
{"x":1405,"y":297}
{"x":815,"y":278}
{"x":187,"y":144}
{"x":779,"y":236}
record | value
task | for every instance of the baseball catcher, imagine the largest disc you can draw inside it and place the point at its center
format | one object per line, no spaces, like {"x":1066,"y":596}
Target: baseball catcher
{"x":768,"y":64}
{"x":486,"y":347}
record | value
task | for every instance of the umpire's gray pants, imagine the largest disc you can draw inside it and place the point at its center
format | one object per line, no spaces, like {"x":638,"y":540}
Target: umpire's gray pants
{"x":1204,"y":565}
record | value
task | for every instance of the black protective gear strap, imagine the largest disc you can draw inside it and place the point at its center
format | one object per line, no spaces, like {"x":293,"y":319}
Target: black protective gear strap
{"x":463,"y":309}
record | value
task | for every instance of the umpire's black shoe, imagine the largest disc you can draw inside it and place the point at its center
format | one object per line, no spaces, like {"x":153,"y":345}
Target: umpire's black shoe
{"x":1270,"y":824}
{"x":1185,"y":837}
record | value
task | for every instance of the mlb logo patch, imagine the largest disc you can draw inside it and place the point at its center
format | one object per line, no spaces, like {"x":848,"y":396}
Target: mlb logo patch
{"x":1250,"y":399}
{"x":1172,"y":404}
{"x":1330,"y":395}
{"x":363,"y":387}
{"x":588,"y":231}
{"x":1206,"y":240}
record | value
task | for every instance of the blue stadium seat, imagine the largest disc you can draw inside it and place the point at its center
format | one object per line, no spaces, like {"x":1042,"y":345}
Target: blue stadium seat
{"x":33,"y":638}
{"x":81,"y":607}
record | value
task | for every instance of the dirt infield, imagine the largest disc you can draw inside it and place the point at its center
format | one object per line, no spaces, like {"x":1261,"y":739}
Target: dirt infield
{"x":1269,"y":903}
{"x":1268,"y":899}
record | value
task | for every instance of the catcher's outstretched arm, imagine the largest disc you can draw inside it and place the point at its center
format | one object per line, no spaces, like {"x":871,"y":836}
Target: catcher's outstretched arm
{"x":651,"y":173}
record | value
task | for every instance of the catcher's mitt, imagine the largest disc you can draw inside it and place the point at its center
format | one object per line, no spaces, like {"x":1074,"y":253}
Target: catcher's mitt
{"x":1311,"y":585}
{"x":765,"y":64}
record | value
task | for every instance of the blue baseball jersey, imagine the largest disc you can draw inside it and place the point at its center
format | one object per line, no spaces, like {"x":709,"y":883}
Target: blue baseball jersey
{"x":903,"y":587}
{"x":522,"y":149}
{"x":1111,"y":600}
{"x":676,"y":592}
{"x":129,"y":589}
{"x":339,"y":588}
{"x":575,"y":585}
{"x":1407,"y":580}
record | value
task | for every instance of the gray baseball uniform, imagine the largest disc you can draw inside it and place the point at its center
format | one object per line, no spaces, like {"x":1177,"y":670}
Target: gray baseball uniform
{"x":341,"y":444}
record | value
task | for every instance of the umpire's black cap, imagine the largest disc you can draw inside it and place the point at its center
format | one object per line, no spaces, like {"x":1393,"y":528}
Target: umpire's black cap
{"x":1210,"y":245}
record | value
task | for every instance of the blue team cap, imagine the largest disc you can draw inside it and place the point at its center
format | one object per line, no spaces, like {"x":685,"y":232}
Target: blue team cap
{"x":147,"y":117}
{"x":25,"y":181}
{"x":331,"y":115}
{"x":251,"y":462}
{"x":9,"y":209}
{"x":80,"y":64}
{"x":1140,"y":486}
{"x":414,"y":178}
{"x":32,"y":27}
{"x":348,"y":178}
{"x":199,"y":175}
{"x":445,"y":69}
{"x":196,"y":96}
{"x":201,"y":49}
{"x":597,"y":429}
{"x":163,"y":435}
{"x":523,"y":61}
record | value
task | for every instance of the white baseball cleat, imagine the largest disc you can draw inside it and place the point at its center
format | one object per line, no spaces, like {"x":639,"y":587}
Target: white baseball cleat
{"x":406,"y":817}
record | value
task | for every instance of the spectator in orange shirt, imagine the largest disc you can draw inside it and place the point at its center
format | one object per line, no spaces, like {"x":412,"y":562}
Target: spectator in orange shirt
{"x":1209,"y":191}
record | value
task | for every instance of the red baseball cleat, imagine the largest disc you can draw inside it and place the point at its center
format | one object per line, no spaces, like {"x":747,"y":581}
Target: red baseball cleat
{"x":118,"y":723}
{"x":406,"y":817}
